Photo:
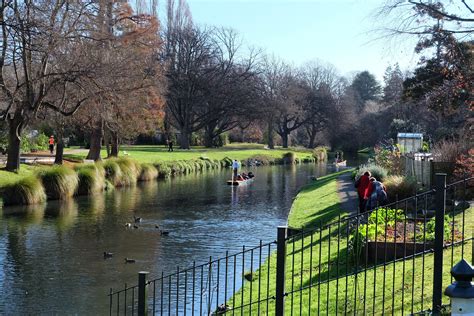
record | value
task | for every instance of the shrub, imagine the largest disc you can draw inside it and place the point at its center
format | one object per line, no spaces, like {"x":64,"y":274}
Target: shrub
{"x":113,"y":173}
{"x":148,"y":172}
{"x":399,"y":187}
{"x":91,"y":181}
{"x":465,"y":169}
{"x":390,"y":160}
{"x":59,"y":182}
{"x":26,"y":191}
{"x":289,"y":158}
{"x":448,"y":151}
{"x":378,"y":172}
{"x":320,"y":154}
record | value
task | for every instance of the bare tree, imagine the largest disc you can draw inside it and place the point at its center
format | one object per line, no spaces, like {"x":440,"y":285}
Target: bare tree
{"x":426,"y":17}
{"x":43,"y":64}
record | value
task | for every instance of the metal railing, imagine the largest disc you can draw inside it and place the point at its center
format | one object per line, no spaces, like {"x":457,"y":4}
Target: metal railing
{"x":380,"y":262}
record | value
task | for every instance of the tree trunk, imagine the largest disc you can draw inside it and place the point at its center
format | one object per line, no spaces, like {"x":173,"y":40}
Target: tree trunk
{"x":14,"y":143}
{"x":311,"y":141}
{"x":184,"y":139}
{"x":96,"y":144}
{"x":284,"y":139}
{"x":208,"y":141}
{"x":312,"y":137}
{"x":58,"y":159}
{"x":107,"y":142}
{"x":271,"y":144}
{"x":114,"y":150}
{"x":209,"y":137}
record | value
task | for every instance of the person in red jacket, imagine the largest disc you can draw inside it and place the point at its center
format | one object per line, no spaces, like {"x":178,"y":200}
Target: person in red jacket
{"x":363,"y":186}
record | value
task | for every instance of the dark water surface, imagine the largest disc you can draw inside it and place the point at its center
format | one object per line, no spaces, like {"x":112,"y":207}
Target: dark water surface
{"x":51,"y":258}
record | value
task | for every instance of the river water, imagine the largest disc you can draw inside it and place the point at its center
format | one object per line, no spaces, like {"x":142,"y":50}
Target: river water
{"x":51,"y":256}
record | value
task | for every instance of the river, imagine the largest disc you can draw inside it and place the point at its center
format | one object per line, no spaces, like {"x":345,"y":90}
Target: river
{"x":51,"y":256}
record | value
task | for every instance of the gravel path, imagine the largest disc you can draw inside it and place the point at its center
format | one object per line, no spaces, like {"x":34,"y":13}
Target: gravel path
{"x":347,"y":193}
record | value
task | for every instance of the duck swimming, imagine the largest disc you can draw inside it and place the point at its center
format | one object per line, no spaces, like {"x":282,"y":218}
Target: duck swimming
{"x":129,"y":260}
{"x":108,"y":255}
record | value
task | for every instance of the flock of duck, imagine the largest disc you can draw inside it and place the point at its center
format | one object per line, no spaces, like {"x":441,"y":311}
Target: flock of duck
{"x":136,"y":220}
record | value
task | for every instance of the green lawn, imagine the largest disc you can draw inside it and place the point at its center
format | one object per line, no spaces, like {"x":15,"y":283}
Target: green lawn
{"x":240,"y":151}
{"x":7,"y":177}
{"x":319,"y":263}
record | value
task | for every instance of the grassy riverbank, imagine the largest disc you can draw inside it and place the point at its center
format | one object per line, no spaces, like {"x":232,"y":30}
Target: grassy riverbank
{"x":151,"y":154}
{"x":7,"y":178}
{"x":319,"y":263}
{"x":145,"y":163}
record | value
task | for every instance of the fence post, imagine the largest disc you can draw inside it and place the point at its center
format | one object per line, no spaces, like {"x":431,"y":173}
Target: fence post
{"x":142,"y":307}
{"x":440,"y":204}
{"x":280,"y":271}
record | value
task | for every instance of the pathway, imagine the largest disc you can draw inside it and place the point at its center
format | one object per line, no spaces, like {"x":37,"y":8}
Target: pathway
{"x":347,"y":193}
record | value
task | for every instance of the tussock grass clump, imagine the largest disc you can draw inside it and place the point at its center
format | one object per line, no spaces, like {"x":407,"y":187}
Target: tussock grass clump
{"x":91,"y":179}
{"x":26,"y":191}
{"x":399,"y":186}
{"x":226,"y":162}
{"x":207,"y":164}
{"x":308,"y":159}
{"x":59,"y":182}
{"x":148,"y":172}
{"x":216,"y":163}
{"x":289,"y":158}
{"x":164,"y":170}
{"x":200,"y":165}
{"x":113,"y":173}
{"x":320,"y":154}
{"x":130,"y":171}
{"x":264,"y":160}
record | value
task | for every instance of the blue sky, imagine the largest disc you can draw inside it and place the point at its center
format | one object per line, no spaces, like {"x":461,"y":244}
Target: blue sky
{"x":341,"y":32}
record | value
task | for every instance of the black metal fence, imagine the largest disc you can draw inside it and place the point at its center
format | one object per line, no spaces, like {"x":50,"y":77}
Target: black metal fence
{"x":392,"y":260}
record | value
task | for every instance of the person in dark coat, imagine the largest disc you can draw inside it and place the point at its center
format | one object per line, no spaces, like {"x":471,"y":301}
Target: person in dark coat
{"x":363,"y":185}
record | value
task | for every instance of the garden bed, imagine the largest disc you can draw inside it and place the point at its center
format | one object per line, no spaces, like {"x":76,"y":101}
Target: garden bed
{"x":390,"y":235}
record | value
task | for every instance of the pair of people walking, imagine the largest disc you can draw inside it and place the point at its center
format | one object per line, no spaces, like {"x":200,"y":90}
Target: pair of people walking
{"x":371,"y":192}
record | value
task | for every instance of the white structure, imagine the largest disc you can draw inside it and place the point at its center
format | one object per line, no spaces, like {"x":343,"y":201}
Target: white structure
{"x":410,"y":142}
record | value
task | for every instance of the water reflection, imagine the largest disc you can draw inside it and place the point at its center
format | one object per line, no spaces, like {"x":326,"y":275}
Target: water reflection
{"x":53,"y":252}
{"x":64,"y":212}
{"x":25,"y":214}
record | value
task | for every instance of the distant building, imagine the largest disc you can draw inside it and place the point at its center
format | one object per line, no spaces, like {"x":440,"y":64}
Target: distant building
{"x":410,"y":142}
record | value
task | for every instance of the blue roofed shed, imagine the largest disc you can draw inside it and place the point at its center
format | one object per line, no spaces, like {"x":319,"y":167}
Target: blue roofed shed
{"x":410,"y":142}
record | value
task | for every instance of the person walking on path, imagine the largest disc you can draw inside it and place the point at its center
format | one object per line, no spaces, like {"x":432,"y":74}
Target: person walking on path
{"x":51,"y":144}
{"x":235,"y":167}
{"x":363,"y":184}
{"x":376,"y":194}
{"x":170,"y":145}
